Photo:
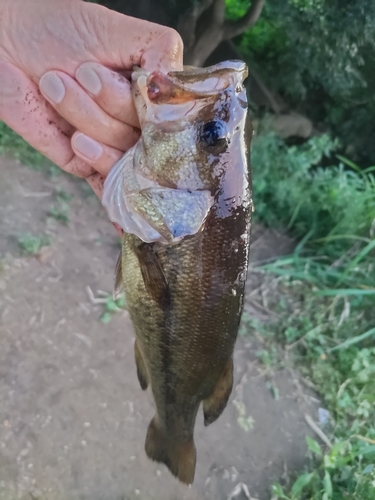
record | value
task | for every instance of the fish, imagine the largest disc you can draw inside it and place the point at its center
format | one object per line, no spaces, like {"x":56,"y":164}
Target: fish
{"x":183,"y":197}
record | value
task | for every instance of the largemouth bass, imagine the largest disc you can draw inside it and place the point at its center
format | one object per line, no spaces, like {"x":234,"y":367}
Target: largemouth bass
{"x":182,"y":195}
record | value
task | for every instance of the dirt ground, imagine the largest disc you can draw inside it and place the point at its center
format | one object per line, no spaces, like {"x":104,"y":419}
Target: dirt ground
{"x":73,"y":418}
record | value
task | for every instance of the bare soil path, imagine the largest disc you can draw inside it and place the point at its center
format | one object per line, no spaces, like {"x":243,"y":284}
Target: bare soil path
{"x":73,"y":418}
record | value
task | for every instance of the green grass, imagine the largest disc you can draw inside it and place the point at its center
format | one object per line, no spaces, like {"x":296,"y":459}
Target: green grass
{"x":30,"y":244}
{"x":293,"y":191}
{"x":324,"y":299}
{"x":112,"y":306}
{"x":11,"y":143}
{"x":60,"y":209}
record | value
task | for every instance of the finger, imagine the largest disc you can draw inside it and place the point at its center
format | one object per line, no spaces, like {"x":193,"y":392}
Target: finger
{"x":110,"y":90}
{"x":79,"y":109}
{"x":24,"y":110}
{"x":99,"y":156}
{"x":96,"y":182}
{"x":165,"y":53}
{"x":126,"y":41}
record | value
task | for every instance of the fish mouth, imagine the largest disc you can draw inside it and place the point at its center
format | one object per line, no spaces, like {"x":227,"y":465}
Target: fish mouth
{"x":190,"y":83}
{"x":181,"y":89}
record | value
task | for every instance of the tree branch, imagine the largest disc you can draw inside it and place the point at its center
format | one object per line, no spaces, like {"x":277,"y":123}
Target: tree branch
{"x":188,"y":21}
{"x":218,"y":11}
{"x":266,"y":92}
{"x":235,"y":28}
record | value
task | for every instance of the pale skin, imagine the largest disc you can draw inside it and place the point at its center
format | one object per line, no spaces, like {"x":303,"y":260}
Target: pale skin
{"x":60,"y":82}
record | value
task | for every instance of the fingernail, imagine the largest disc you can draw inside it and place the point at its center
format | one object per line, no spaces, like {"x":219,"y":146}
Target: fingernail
{"x":87,"y":147}
{"x":52,"y":87}
{"x":89,"y":79}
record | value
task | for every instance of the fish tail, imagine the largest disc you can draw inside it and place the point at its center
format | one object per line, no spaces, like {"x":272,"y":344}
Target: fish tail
{"x":180,"y":458}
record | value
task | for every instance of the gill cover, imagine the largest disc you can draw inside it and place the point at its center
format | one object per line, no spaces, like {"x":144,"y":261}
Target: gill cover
{"x":151,"y":212}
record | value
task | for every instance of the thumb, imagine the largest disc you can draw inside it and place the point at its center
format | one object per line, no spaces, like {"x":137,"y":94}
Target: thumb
{"x":122,"y":42}
{"x":24,"y":109}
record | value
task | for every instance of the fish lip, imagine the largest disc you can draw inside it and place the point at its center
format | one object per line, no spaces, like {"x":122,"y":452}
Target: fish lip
{"x":230,"y":65}
{"x":226,"y":73}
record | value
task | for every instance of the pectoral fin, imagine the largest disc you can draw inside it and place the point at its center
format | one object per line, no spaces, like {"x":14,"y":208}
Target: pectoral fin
{"x":153,"y":275}
{"x":214,"y":405}
{"x":141,"y":367}
{"x":119,"y":284}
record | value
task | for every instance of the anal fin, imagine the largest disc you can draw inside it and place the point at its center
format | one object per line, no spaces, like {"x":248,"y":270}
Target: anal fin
{"x":141,"y":367}
{"x":214,"y":405}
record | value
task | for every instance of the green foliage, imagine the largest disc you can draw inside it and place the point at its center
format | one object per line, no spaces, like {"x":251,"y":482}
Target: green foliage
{"x":11,"y":143}
{"x":30,"y":244}
{"x":291,"y":190}
{"x":60,"y":209}
{"x":324,"y":298}
{"x":112,"y":306}
{"x":319,"y":54}
{"x":333,"y":53}
{"x":313,"y":331}
{"x":236,"y":8}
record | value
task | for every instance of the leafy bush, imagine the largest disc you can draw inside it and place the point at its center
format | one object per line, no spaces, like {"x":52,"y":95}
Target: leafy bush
{"x":30,"y":244}
{"x":324,"y":298}
{"x":319,"y":54}
{"x":12,"y":143}
{"x":291,"y":190}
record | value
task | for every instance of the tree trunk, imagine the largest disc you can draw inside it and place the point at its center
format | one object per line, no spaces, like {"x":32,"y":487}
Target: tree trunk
{"x":206,"y":35}
{"x":201,"y":23}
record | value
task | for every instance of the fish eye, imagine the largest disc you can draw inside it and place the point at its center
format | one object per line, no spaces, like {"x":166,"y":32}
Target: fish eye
{"x":214,"y":134}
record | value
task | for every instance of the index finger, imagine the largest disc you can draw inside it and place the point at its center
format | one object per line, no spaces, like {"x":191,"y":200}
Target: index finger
{"x":165,"y":54}
{"x":126,"y":41}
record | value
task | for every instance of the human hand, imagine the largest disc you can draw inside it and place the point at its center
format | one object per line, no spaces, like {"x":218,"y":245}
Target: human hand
{"x":58,"y":44}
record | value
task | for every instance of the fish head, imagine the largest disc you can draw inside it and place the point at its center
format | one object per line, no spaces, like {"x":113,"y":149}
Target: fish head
{"x":191,"y":157}
{"x":189,"y":121}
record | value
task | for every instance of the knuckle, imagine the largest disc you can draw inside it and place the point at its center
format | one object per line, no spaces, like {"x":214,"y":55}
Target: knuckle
{"x":78,"y":167}
{"x":174,"y":40}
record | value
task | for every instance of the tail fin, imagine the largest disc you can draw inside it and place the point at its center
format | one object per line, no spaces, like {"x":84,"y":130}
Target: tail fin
{"x":180,"y":458}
